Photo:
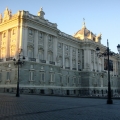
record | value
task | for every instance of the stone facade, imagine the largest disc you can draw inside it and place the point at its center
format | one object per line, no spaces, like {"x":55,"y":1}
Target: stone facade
{"x":56,"y":63}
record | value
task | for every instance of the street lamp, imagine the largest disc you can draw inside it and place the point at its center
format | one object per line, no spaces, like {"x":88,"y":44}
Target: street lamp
{"x":107,"y":53}
{"x":118,"y":47}
{"x":18,"y":62}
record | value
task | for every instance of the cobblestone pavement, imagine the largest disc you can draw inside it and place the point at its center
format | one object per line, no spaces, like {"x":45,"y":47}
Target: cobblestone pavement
{"x":36,"y":107}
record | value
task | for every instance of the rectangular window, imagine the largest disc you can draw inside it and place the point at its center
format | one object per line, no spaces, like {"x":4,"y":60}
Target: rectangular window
{"x":4,"y":35}
{"x":79,"y":80}
{"x":51,"y":77}
{"x":40,"y":35}
{"x":74,"y":80}
{"x":42,"y":77}
{"x":74,"y":50}
{"x":50,"y":38}
{"x":66,"y":47}
{"x":59,"y":45}
{"x":30,"y":32}
{"x":31,"y":76}
{"x":13,"y":32}
{"x":60,"y":79}
{"x":68,"y":80}
{"x":8,"y":76}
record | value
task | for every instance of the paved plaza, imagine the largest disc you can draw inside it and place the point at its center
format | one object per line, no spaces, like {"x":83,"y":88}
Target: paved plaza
{"x":36,"y":107}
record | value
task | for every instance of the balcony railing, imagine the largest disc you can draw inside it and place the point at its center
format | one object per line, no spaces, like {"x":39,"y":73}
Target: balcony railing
{"x":67,"y":67}
{"x":1,"y":60}
{"x":73,"y":68}
{"x":32,"y":59}
{"x":10,"y":58}
{"x":43,"y":61}
{"x":51,"y":62}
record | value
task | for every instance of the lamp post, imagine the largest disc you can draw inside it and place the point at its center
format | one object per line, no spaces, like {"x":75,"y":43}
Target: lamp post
{"x":118,"y":47}
{"x":107,"y":53}
{"x":18,"y":62}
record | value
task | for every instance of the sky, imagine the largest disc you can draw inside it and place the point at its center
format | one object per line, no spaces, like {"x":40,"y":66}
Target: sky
{"x":101,"y":16}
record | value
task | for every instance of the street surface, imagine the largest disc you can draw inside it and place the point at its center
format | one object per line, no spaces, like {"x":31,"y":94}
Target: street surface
{"x":36,"y":107}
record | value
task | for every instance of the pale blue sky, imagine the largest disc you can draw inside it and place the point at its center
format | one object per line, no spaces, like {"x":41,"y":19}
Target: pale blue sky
{"x":100,"y":15}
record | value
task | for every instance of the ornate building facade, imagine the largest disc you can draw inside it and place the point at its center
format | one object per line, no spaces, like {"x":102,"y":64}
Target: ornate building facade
{"x":56,"y":63}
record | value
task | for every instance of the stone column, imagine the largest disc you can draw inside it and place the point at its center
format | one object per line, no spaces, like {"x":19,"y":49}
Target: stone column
{"x":94,"y":61}
{"x":24,"y":41}
{"x":86,"y":60}
{"x":36,"y":45}
{"x":98,"y":63}
{"x":55,"y":49}
{"x":17,"y":40}
{"x":82,"y":58}
{"x":45,"y":47}
{"x":70,"y":58}
{"x":8,"y":44}
{"x":63,"y":55}
{"x":76,"y":59}
{"x":0,"y":43}
{"x":102,"y":64}
{"x":114,"y":68}
{"x":89,"y":59}
{"x":101,"y":79}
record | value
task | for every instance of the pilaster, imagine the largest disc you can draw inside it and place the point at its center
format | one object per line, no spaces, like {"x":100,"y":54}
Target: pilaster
{"x":98,"y":63}
{"x":102,"y":69}
{"x":76,"y":59}
{"x":24,"y":41}
{"x":17,"y":40}
{"x":8,"y":44}
{"x":45,"y":46}
{"x":94,"y":61}
{"x":63,"y":55}
{"x":89,"y":59}
{"x":36,"y":45}
{"x":70,"y":58}
{"x":114,"y":67}
{"x":0,"y":43}
{"x":54,"y":49}
{"x":86,"y":60}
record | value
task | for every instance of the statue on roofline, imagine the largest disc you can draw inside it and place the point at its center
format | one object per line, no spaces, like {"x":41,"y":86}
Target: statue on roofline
{"x":7,"y":14}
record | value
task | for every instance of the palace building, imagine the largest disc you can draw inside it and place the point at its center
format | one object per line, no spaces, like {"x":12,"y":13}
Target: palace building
{"x":55,"y":62}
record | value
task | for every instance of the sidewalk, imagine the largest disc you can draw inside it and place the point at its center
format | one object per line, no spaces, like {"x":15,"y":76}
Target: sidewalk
{"x":36,"y":107}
